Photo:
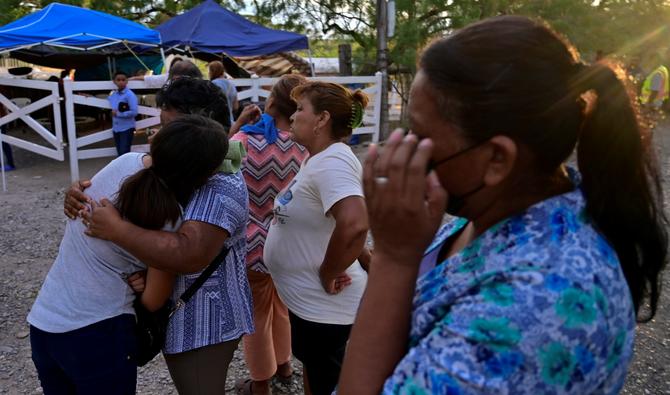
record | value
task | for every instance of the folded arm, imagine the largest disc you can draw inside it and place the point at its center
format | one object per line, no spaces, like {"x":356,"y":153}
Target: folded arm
{"x":347,"y":240}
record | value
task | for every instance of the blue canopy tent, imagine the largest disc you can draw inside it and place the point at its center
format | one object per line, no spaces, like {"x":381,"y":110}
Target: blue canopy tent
{"x":66,"y":36}
{"x":209,"y":30}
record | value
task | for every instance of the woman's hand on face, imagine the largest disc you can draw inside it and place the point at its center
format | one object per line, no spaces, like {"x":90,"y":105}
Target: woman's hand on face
{"x":103,"y":221}
{"x":405,"y":206}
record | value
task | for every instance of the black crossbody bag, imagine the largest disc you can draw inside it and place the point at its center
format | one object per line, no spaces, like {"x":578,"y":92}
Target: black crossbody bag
{"x":151,"y":327}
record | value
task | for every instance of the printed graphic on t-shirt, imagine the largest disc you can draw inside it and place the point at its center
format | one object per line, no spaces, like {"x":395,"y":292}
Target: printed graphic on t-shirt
{"x":286,"y":197}
{"x":283,"y":199}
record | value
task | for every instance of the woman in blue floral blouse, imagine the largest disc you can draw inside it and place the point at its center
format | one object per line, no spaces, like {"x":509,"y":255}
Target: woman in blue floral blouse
{"x":535,"y":286}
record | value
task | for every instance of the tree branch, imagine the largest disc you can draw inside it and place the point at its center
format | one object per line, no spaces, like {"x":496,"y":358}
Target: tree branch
{"x":150,"y":10}
{"x":335,"y":14}
{"x":354,"y":34}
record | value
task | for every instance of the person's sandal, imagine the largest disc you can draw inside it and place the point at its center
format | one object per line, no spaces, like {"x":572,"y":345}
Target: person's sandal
{"x":285,"y":380}
{"x":244,"y":386}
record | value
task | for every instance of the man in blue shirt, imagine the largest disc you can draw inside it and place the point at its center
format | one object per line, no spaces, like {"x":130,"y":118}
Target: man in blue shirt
{"x":124,"y":111}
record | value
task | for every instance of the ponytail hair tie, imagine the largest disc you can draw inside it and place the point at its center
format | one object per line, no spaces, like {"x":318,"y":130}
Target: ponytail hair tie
{"x":356,"y":114}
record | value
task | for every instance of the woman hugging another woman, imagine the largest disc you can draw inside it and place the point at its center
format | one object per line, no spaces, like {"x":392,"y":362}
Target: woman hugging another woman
{"x":82,"y":324}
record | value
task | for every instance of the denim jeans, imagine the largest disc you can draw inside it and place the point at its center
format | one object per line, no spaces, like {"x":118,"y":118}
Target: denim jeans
{"x":123,"y":141}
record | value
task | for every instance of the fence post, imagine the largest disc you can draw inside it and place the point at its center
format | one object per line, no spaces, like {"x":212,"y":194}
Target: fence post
{"x":256,"y":87}
{"x":71,"y":130}
{"x":58,"y":125}
{"x":344,"y":54}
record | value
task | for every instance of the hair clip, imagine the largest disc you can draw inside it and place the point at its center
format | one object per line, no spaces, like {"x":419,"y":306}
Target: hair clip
{"x":356,"y":115}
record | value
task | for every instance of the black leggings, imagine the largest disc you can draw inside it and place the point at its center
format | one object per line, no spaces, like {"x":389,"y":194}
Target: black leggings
{"x":320,"y":348}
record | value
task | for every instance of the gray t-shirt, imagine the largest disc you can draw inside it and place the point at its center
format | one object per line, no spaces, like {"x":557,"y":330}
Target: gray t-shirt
{"x":87,"y":282}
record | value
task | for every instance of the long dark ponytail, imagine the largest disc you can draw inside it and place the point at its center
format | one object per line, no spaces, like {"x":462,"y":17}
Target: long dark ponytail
{"x":184,"y":154}
{"x":621,"y":182}
{"x":515,"y":76}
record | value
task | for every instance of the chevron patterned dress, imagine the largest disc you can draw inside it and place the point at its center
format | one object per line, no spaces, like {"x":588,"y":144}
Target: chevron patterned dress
{"x":267,"y":169}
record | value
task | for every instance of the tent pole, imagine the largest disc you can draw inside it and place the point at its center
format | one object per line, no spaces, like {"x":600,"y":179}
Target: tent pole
{"x":188,"y":49}
{"x":163,"y":56}
{"x":109,"y":67}
{"x":311,"y":63}
{"x":137,"y":57}
{"x":2,"y":167}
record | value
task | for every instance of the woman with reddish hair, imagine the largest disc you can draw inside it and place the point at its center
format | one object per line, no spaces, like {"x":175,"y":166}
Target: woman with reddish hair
{"x":318,"y":232}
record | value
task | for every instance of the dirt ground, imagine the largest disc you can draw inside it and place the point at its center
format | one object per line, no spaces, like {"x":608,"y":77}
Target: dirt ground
{"x":31,"y":226}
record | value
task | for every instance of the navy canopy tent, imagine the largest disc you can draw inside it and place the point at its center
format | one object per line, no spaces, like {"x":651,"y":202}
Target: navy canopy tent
{"x":212,"y":29}
{"x":62,"y":35}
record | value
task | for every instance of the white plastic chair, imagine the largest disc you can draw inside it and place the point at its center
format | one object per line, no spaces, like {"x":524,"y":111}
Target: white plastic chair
{"x":21,"y":102}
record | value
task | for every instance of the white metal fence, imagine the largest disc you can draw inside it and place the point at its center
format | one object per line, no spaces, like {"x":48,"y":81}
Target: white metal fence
{"x":77,"y":93}
{"x":23,"y":110}
{"x":260,"y":87}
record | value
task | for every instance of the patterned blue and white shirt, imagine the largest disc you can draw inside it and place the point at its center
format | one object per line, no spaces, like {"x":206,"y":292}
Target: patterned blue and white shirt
{"x":538,"y":304}
{"x":221,"y":309}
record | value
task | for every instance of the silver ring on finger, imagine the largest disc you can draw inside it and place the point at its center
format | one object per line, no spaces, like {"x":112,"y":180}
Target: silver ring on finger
{"x":381,"y":180}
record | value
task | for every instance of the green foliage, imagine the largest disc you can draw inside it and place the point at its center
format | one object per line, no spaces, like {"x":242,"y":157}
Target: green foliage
{"x":617,"y":27}
{"x":622,"y":28}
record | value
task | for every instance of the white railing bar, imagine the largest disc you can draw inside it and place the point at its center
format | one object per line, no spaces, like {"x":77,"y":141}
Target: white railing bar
{"x":94,"y":138}
{"x":95,"y":153}
{"x":34,"y":84}
{"x":56,"y":154}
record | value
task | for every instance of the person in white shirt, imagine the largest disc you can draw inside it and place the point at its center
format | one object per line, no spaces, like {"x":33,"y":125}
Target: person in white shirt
{"x":178,"y":68}
{"x":318,"y":231}
{"x":158,"y":80}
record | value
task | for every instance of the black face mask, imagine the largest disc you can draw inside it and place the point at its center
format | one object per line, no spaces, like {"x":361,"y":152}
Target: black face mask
{"x":457,"y":202}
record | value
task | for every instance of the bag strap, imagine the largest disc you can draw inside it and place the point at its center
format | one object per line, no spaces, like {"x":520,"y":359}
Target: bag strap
{"x":188,"y":294}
